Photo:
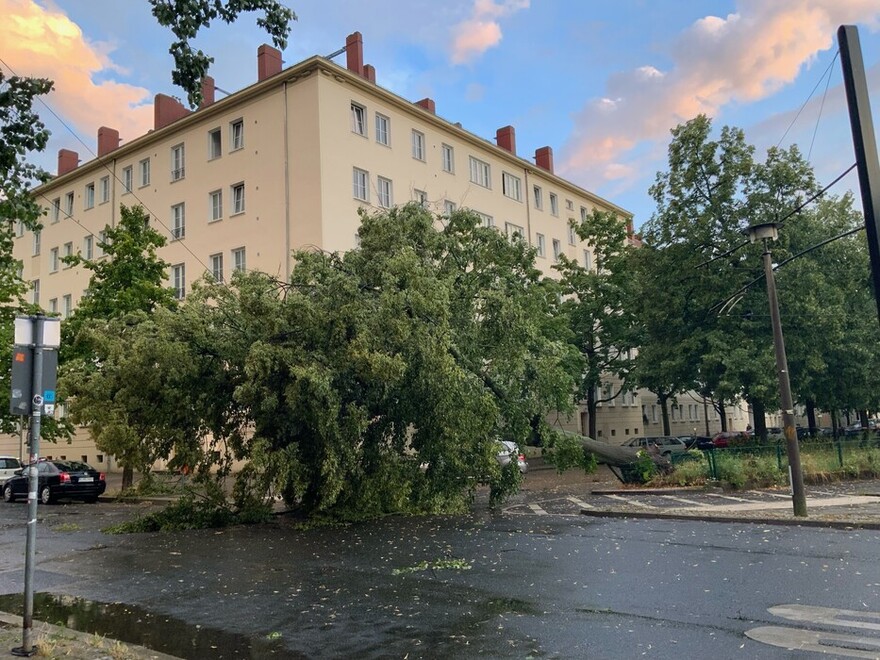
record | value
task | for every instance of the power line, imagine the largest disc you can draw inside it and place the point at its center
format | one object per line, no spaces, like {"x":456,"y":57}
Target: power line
{"x":819,"y":82}
{"x":816,"y":196}
{"x":822,"y":105}
{"x":181,"y":241}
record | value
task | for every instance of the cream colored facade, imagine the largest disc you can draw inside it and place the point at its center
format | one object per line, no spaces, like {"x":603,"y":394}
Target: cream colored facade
{"x":286,"y":164}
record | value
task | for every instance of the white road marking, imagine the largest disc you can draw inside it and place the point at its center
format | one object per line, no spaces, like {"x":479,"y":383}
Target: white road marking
{"x":685,"y":500}
{"x":828,"y":615}
{"x":729,"y":497}
{"x":628,"y":500}
{"x":537,"y":509}
{"x":761,"y":492}
{"x":851,"y":646}
{"x":580,"y":503}
{"x":850,"y":500}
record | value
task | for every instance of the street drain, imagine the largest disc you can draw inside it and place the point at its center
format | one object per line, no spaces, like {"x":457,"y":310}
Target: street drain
{"x":135,"y":625}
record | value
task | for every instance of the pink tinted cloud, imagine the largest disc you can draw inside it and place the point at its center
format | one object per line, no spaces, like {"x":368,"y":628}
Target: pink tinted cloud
{"x":743,"y":57}
{"x":43,"y":42}
{"x":481,"y":30}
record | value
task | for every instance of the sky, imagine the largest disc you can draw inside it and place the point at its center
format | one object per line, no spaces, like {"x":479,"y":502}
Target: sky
{"x":602,"y":83}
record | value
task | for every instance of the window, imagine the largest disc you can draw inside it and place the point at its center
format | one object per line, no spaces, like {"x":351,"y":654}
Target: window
{"x":382,"y":134}
{"x":178,"y":280}
{"x":68,"y":251}
{"x":361,"y":183}
{"x":178,"y":222}
{"x":554,"y":204}
{"x":66,"y":306}
{"x":19,"y":229}
{"x":480,"y":173}
{"x":36,"y":246}
{"x":127,"y":179}
{"x":538,"y":194}
{"x":448,"y":158}
{"x":102,"y":241}
{"x":511,"y":186}
{"x":53,"y":260}
{"x":384,"y":192}
{"x":238,"y":198}
{"x":358,"y":119}
{"x":488,"y":220}
{"x":542,"y":245}
{"x":53,"y":305}
{"x":421,"y":197}
{"x":449,"y":207}
{"x":105,"y":189}
{"x":418,"y":145}
{"x":35,"y":286}
{"x":68,"y":204}
{"x":144,"y":172}
{"x":239,"y":262}
{"x":215,"y":144}
{"x":89,"y":198}
{"x":88,"y":247}
{"x":557,"y":248}
{"x":588,"y":260}
{"x":236,"y":134}
{"x":217,"y":266}
{"x":569,"y":205}
{"x":514,"y":232}
{"x":572,"y":234}
{"x":56,"y":211}
{"x":583,"y":214}
{"x":215,"y":203}
{"x":178,"y":162}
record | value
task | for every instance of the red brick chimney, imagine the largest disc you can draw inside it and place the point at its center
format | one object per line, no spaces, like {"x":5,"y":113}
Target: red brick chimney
{"x":167,"y":110}
{"x":427,"y":104}
{"x":544,"y":158}
{"x":67,"y":161}
{"x":506,"y":138}
{"x":207,"y":92}
{"x":354,"y":53}
{"x":108,"y":140}
{"x":370,"y":73}
{"x":268,"y":61}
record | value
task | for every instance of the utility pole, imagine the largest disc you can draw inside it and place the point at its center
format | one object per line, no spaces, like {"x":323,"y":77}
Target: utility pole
{"x":864,"y":142}
{"x":765,"y":233}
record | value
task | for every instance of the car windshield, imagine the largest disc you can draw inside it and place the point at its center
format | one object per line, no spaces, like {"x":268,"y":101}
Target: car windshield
{"x":72,"y":466}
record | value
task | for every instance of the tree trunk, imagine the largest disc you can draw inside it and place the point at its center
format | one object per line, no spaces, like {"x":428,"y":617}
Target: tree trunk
{"x":811,"y":415}
{"x":722,"y":413}
{"x":591,"y":412}
{"x":663,"y":400}
{"x":863,"y":420}
{"x":835,"y":423}
{"x":127,"y":477}
{"x":760,"y":427}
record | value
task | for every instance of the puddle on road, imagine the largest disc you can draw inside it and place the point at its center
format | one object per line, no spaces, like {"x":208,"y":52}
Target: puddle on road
{"x":135,"y":625}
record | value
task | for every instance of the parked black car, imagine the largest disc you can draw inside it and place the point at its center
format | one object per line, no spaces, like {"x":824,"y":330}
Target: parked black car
{"x":59,"y":479}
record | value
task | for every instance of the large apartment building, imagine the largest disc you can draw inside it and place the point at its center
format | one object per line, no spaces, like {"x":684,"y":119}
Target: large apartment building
{"x":285,"y":164}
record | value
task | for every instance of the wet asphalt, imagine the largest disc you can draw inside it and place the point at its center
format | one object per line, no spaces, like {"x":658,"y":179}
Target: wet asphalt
{"x":486,"y":584}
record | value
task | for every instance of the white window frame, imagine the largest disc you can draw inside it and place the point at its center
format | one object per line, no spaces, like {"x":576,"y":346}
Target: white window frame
{"x":53,"y":260}
{"x":68,"y":204}
{"x":449,"y":207}
{"x":36,"y":245}
{"x":480,"y":173}
{"x":178,"y":221}
{"x":541,"y":245}
{"x":216,"y":261}
{"x":554,"y":204}
{"x":583,"y":214}
{"x":215,"y":143}
{"x":178,"y":162}
{"x":239,"y":259}
{"x":66,"y":305}
{"x":88,"y":247}
{"x":569,"y":205}
{"x":127,"y":179}
{"x":514,"y":232}
{"x":383,"y":129}
{"x":572,"y":235}
{"x":487,"y":220}
{"x":588,"y":260}
{"x":384,"y":192}
{"x":105,"y":189}
{"x":360,"y":184}
{"x":421,"y":197}
{"x":418,"y":145}
{"x":358,"y":119}
{"x":178,"y":280}
{"x":68,"y":251}
{"x":238,"y":198}
{"x":56,"y":215}
{"x":35,"y":291}
{"x":511,"y":186}
{"x":236,"y":135}
{"x":539,"y":197}
{"x":144,"y":172}
{"x":53,"y":305}
{"x":557,"y":249}
{"x":448,"y":157}
{"x":215,"y":205}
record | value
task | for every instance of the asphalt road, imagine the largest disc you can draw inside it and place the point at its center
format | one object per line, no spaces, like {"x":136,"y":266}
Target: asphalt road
{"x":497,"y":585}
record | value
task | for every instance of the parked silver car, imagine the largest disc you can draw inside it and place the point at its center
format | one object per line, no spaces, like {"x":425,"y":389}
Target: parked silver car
{"x":665,"y":443}
{"x":509,"y":451}
{"x":8,"y":466}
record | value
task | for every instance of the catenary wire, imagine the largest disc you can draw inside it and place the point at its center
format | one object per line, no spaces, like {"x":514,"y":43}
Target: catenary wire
{"x":821,"y":106}
{"x":819,"y":82}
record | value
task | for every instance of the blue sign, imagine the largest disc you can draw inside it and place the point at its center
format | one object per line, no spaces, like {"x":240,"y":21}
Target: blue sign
{"x":49,"y":396}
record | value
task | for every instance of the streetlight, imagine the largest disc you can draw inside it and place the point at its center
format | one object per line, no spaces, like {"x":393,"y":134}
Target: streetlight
{"x":766,"y":232}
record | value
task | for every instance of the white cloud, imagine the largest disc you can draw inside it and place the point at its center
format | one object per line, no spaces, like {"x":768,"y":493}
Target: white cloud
{"x":741,"y":58}
{"x":481,"y":30}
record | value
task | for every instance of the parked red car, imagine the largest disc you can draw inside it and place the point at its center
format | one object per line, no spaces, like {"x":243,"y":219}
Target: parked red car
{"x":721,"y":440}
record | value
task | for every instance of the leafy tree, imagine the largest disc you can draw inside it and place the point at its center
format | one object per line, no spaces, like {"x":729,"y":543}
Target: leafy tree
{"x":126,"y":283}
{"x":598,"y":306}
{"x":186,"y":17}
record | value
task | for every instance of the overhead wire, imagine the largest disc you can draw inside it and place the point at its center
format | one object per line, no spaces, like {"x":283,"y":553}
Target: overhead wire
{"x":804,"y":105}
{"x":822,"y":105}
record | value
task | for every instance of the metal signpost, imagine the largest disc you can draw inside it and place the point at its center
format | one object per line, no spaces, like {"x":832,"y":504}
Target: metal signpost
{"x":34,"y":370}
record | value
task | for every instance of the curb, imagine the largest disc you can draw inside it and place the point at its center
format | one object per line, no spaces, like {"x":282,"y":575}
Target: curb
{"x":779,"y":522}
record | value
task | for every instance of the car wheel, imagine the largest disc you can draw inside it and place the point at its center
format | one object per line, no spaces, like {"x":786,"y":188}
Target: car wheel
{"x":8,"y":495}
{"x":46,"y":495}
